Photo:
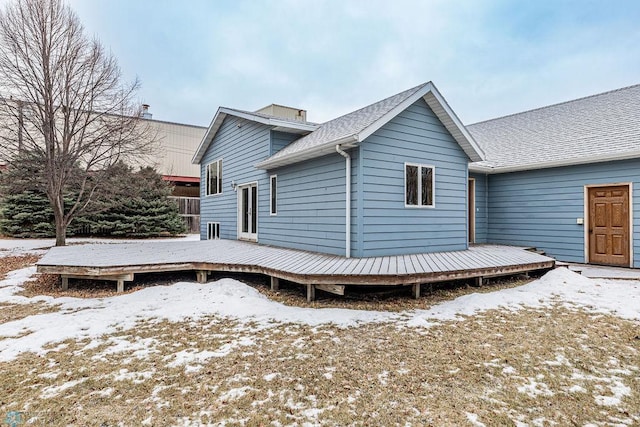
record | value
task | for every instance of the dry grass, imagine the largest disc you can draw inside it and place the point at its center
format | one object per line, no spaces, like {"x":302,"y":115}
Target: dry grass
{"x":376,"y":374}
{"x":11,"y":312}
{"x":10,"y":263}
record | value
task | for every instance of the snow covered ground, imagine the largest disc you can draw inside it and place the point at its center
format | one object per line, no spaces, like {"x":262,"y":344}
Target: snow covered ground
{"x":79,"y":318}
{"x":252,"y":316}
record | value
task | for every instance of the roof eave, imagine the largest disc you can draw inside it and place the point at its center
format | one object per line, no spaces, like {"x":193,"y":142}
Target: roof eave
{"x":319,"y":151}
{"x":216,"y":122}
{"x":453,"y":124}
{"x":557,"y":163}
{"x":218,"y":118}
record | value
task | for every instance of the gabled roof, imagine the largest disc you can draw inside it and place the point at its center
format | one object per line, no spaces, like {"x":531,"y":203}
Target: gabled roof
{"x":352,"y":128}
{"x":596,"y":128}
{"x":279,"y":123}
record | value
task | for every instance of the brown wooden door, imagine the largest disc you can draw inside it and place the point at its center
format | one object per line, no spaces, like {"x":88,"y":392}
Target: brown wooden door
{"x":609,"y":225}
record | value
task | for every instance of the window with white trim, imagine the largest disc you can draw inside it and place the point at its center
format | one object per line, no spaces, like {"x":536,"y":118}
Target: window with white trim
{"x":213,"y":180}
{"x":419,"y":185}
{"x":273,"y":194}
{"x":213,"y":230}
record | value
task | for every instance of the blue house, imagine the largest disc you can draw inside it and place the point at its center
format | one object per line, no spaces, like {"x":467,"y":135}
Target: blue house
{"x":404,"y":175}
{"x":563,"y":178}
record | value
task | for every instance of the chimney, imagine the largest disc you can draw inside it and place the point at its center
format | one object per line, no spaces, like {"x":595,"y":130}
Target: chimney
{"x":145,"y":112}
{"x":284,"y":112}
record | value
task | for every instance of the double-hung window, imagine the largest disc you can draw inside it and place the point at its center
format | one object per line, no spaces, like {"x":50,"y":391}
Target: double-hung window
{"x":214,"y":178}
{"x":419,"y":185}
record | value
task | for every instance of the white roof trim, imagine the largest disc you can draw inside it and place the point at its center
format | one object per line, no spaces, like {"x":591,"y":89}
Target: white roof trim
{"x":556,"y":163}
{"x":222,"y":113}
{"x":444,"y":113}
{"x":436,"y":102}
{"x":317,"y":151}
{"x":453,"y":124}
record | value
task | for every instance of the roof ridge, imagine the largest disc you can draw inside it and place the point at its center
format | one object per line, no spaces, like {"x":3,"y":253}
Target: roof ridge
{"x":555,"y":105}
{"x":413,"y":90}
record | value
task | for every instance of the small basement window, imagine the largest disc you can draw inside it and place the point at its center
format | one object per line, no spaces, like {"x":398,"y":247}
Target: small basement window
{"x":213,"y":180}
{"x":213,"y":230}
{"x":419,"y":185}
{"x":273,"y":191}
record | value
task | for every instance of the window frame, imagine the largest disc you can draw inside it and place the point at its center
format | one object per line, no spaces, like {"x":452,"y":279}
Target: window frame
{"x":207,"y":189}
{"x":216,"y":230}
{"x":420,"y":166}
{"x":273,"y":204}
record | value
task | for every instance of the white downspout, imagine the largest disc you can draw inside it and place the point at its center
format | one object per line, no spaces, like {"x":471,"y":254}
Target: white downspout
{"x":348,"y":200}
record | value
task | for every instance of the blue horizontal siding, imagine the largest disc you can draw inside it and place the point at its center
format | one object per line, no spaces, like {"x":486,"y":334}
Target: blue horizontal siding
{"x":241,"y":144}
{"x":279,"y":140}
{"x":311,"y":206}
{"x":539,"y":208}
{"x":388,"y":227}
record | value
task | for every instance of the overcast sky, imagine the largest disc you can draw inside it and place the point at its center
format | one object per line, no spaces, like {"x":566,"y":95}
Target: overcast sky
{"x":488,"y":58}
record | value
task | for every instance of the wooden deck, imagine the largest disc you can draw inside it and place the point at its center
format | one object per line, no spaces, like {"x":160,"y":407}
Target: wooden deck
{"x":120,"y":262}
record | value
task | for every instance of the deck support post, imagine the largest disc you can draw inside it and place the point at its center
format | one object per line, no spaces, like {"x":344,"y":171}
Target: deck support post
{"x":120,"y":286}
{"x":311,"y":293}
{"x":416,"y":290}
{"x":65,"y":283}
{"x":275,"y":283}
{"x":479,"y":281}
{"x":430,"y":288}
{"x":201,"y":276}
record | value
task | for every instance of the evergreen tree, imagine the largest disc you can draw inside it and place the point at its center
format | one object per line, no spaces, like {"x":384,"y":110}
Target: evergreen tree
{"x":130,"y":204}
{"x":143,"y":210}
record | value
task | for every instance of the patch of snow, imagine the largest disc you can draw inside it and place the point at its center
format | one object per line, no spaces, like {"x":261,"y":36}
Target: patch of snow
{"x":228,"y":298}
{"x":135,"y":377}
{"x":535,"y":388}
{"x":91,"y":318}
{"x":140,"y":347}
{"x":577,"y":389}
{"x":187,"y":357}
{"x":473,"y":419}
{"x":508,"y":370}
{"x":271,"y":377}
{"x":53,"y":391}
{"x":49,"y":375}
{"x":618,"y":389}
{"x":234,"y":394}
{"x":103,"y":393}
{"x":621,"y":298}
{"x":559,"y":361}
{"x":383,"y":377}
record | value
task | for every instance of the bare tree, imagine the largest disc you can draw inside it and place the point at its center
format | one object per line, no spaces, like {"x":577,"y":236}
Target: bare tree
{"x":63,"y":108}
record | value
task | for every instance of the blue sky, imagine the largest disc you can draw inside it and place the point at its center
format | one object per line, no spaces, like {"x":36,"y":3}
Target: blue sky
{"x":488,"y":58}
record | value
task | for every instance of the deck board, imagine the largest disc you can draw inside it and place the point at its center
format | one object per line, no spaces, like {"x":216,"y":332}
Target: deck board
{"x":295,"y":265}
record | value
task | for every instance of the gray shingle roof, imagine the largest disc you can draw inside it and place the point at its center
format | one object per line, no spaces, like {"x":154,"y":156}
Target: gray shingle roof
{"x":352,"y":128}
{"x":595,"y":128}
{"x":347,"y":125}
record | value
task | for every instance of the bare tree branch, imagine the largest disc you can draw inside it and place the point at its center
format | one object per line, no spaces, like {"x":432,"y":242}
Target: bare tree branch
{"x":62,"y":101}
